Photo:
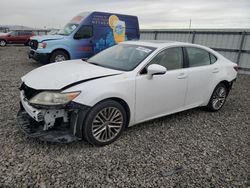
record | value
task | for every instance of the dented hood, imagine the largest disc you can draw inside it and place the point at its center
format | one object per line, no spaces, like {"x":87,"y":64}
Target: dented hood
{"x":57,"y":76}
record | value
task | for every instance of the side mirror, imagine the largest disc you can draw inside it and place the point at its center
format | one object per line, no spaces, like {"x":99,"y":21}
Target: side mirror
{"x":8,"y":35}
{"x":156,"y":70}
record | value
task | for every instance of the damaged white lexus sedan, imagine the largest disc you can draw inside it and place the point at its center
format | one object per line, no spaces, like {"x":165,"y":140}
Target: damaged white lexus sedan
{"x":124,"y":85}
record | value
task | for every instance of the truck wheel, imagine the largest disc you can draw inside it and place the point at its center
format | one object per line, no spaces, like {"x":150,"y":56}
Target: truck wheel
{"x":2,"y":43}
{"x":58,"y":56}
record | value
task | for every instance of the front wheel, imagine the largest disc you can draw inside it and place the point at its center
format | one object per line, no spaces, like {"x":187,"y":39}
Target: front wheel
{"x":104,"y":123}
{"x":2,"y":43}
{"x":218,"y":98}
{"x":59,"y":56}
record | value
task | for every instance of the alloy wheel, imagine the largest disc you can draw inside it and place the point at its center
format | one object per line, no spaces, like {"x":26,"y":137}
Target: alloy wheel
{"x":107,"y":124}
{"x":2,"y":43}
{"x":219,"y":98}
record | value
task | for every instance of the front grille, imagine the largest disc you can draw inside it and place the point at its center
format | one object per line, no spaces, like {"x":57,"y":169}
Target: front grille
{"x":29,"y":92}
{"x":33,"y":44}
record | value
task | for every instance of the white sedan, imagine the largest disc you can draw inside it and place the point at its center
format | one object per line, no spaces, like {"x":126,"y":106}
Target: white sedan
{"x":124,"y":85}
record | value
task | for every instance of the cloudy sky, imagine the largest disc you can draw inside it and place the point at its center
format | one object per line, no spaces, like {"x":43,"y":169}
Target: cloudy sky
{"x":152,"y":13}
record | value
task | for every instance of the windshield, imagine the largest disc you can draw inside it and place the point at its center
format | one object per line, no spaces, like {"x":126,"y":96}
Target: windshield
{"x":123,"y":57}
{"x":53,"y":32}
{"x":68,"y":29}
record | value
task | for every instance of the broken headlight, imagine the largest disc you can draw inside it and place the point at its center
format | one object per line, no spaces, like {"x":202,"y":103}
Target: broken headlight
{"x":53,"y":98}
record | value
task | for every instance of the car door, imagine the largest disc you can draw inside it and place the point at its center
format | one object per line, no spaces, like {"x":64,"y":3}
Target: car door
{"x":21,"y":37}
{"x":13,"y":37}
{"x":82,"y":43}
{"x":200,"y":76}
{"x":162,"y":94}
{"x":24,"y":36}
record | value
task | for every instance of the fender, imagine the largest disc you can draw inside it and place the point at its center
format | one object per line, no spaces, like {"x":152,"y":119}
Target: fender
{"x":214,"y":86}
{"x":111,"y":86}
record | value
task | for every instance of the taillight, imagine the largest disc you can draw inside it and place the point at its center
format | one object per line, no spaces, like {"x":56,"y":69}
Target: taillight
{"x":236,"y":68}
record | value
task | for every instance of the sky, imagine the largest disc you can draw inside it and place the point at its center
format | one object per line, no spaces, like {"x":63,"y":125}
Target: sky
{"x":152,"y":14}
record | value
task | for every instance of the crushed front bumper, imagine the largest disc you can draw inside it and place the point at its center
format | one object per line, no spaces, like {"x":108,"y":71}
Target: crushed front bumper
{"x":34,"y":130}
{"x":40,"y":57}
{"x":61,"y":125}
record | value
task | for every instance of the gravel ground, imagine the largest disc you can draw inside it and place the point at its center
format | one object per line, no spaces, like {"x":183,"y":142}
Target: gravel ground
{"x":189,"y":149}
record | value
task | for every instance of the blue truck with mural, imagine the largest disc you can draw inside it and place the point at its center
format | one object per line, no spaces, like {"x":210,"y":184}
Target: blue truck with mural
{"x":85,"y":35}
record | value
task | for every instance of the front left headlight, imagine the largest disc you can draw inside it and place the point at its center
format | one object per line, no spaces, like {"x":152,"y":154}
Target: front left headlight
{"x":42,"y":45}
{"x":53,"y":98}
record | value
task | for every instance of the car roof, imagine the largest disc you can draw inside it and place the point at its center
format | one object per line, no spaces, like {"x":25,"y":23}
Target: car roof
{"x":160,"y":43}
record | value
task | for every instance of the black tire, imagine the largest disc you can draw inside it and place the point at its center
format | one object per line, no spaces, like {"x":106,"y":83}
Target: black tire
{"x":105,"y":126}
{"x":3,"y":43}
{"x":27,"y":43}
{"x":220,"y":94}
{"x":58,"y":56}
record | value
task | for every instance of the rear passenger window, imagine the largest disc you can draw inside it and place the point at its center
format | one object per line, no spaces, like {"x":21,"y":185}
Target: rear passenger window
{"x":170,"y":58}
{"x":20,"y":33}
{"x":27,"y":33}
{"x":213,"y":59}
{"x":197,"y":57}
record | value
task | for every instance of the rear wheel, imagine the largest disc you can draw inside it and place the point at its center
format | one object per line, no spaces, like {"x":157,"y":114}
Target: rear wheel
{"x":218,"y":98}
{"x":104,"y":123}
{"x":2,"y":43}
{"x":59,"y":56}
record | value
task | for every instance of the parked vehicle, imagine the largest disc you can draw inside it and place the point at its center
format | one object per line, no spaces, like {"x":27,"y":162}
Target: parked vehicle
{"x":85,"y":35}
{"x":16,"y":37}
{"x":124,"y":85}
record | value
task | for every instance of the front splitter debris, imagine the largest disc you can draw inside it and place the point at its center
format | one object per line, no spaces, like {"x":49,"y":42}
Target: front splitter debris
{"x":34,"y":130}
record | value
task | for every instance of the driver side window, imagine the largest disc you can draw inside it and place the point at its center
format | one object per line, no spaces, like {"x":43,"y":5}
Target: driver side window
{"x":14,"y":33}
{"x":84,"y":32}
{"x":171,"y":59}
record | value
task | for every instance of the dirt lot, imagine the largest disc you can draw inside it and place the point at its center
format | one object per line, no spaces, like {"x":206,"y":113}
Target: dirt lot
{"x":209,"y":149}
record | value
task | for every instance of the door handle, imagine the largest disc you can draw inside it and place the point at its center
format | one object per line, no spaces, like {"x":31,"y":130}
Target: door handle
{"x":182,"y":75}
{"x":215,"y":70}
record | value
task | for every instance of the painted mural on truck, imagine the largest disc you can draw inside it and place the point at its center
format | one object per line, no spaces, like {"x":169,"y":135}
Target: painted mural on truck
{"x":116,"y":32}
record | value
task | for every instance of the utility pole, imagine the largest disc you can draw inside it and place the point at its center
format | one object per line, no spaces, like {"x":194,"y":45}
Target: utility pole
{"x":190,"y":23}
